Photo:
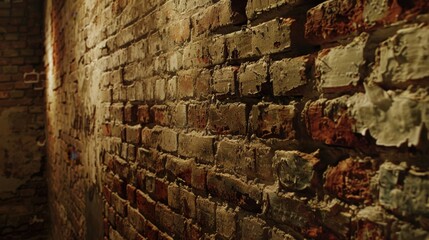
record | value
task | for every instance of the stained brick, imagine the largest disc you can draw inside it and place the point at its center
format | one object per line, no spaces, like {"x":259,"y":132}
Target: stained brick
{"x":273,"y":121}
{"x":252,"y":77}
{"x":200,"y":147}
{"x":289,"y":74}
{"x":228,"y":118}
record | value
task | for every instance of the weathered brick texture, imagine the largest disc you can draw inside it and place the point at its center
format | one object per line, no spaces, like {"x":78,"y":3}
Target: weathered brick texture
{"x":257,"y":119}
{"x":23,"y":189}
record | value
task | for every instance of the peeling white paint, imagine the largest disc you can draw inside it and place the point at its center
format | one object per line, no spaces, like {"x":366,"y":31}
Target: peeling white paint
{"x":392,"y":118}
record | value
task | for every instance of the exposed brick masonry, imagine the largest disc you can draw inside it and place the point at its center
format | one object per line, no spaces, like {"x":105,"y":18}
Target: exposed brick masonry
{"x":179,"y":119}
{"x":23,"y":189}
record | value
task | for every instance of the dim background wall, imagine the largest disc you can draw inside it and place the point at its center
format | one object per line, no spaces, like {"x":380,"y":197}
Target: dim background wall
{"x":238,"y":119}
{"x":23,"y":190}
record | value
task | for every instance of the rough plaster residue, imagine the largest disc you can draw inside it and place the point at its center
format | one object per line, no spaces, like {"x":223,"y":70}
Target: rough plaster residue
{"x":375,"y":10}
{"x":392,"y":118}
{"x":341,"y":66}
{"x":405,"y":56}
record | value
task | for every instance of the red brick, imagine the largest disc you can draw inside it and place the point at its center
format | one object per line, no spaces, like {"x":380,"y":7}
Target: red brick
{"x":328,"y":121}
{"x":143,"y":116}
{"x":161,"y":190}
{"x":146,"y":205}
{"x":160,"y":115}
{"x":350,"y":181}
{"x":119,"y":186}
{"x":131,"y":194}
{"x":107,"y":194}
{"x":334,"y":20}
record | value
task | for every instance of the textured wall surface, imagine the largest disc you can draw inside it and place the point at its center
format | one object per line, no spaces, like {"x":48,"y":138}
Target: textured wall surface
{"x":23,"y":190}
{"x":233,"y":119}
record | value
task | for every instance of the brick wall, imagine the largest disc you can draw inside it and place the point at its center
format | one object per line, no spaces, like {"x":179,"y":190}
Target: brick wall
{"x":174,"y":119}
{"x":23,"y":190}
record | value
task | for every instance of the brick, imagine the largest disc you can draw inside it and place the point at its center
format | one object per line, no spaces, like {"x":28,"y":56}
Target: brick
{"x":290,"y":74}
{"x":341,"y":68}
{"x":180,"y":168}
{"x":206,"y":211}
{"x":193,"y":232}
{"x":350,"y":180}
{"x":228,"y":119}
{"x":224,"y":80}
{"x":133,"y":134}
{"x":198,"y":179}
{"x":161,"y":190}
{"x":273,"y":121}
{"x":151,"y":159}
{"x":253,"y":228}
{"x":259,"y":8}
{"x":397,"y":190}
{"x":273,"y":36}
{"x":119,"y":186}
{"x":335,"y":20}
{"x":172,"y":88}
{"x":253,"y":78}
{"x":200,"y":147}
{"x":197,"y":116}
{"x":235,"y":191}
{"x":295,"y":170}
{"x":168,"y":140}
{"x":114,"y":235}
{"x":277,"y":234}
{"x":287,"y":209}
{"x":179,"y":115}
{"x":151,"y":231}
{"x":143,"y":114}
{"x":337,"y":217}
{"x":325,"y":25}
{"x":186,"y":82}
{"x":204,"y":53}
{"x":222,"y":14}
{"x":202,"y":85}
{"x":174,"y":61}
{"x":170,"y":222}
{"x":239,"y":45}
{"x":160,"y":88}
{"x":179,"y":31}
{"x":117,"y":112}
{"x":182,"y":201}
{"x":131,"y":194}
{"x":160,"y":115}
{"x":150,"y":137}
{"x":121,"y":168}
{"x":226,"y":222}
{"x":119,"y":204}
{"x":237,"y":157}
{"x":412,"y":66}
{"x":146,"y":205}
{"x":329,"y":122}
